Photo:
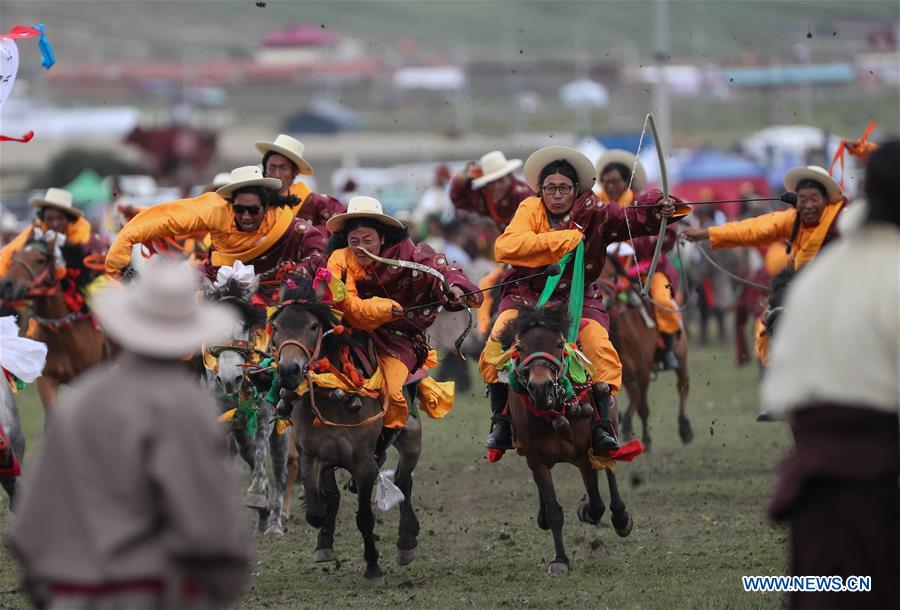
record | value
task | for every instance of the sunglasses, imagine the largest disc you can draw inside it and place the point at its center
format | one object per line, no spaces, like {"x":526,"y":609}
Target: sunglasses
{"x":253,"y":210}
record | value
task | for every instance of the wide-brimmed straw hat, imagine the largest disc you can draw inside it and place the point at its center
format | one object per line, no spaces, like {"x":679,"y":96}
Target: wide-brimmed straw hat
{"x":813,"y":172}
{"x":289,"y":147}
{"x":617,"y":155}
{"x":541,"y":158}
{"x":495,"y":165}
{"x":249,"y":175}
{"x":159,"y":315}
{"x":58,"y":199}
{"x":361,"y":207}
{"x":221,"y":179}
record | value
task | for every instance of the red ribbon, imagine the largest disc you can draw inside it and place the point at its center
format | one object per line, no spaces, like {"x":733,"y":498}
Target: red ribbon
{"x":842,"y":147}
{"x":21,"y":31}
{"x":25,"y":138}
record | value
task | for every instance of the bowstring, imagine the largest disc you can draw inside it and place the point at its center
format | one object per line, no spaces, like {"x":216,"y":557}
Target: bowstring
{"x":637,"y":157}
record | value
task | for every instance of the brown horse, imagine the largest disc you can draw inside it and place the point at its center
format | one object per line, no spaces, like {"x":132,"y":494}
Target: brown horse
{"x":75,"y":342}
{"x":335,"y":430}
{"x":547,"y":438}
{"x":636,"y":342}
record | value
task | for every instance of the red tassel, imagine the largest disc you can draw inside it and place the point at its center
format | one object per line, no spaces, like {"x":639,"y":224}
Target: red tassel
{"x":338,"y":329}
{"x":494,"y":455}
{"x":627,"y":452}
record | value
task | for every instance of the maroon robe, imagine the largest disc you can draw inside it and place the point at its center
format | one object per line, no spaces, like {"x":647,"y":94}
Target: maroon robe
{"x":467,"y":199}
{"x":602,"y":224}
{"x":404,"y":338}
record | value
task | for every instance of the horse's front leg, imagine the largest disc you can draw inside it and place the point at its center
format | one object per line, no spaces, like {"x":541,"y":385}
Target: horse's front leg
{"x":315,"y":509}
{"x":365,"y":471}
{"x":331,"y":496}
{"x":591,"y":511}
{"x":293,"y":470}
{"x":685,"y":432}
{"x":409,"y":446}
{"x":553,"y":511}
{"x":621,"y":520}
{"x":47,"y":388}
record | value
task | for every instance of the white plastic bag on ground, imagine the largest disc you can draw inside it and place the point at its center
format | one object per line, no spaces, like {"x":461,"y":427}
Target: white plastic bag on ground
{"x":387,"y":495}
{"x":22,"y":357}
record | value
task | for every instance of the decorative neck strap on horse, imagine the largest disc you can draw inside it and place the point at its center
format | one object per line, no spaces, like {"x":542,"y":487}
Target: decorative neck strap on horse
{"x":576,"y":296}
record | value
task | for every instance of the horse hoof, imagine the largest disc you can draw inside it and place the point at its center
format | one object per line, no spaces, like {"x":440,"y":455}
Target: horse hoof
{"x":405,"y":556}
{"x":557,"y":567}
{"x":684,"y":429}
{"x":323,"y":555}
{"x":257,"y":501}
{"x":584,"y":514}
{"x":626,"y":527}
{"x":374,"y":577}
{"x":274,"y":533}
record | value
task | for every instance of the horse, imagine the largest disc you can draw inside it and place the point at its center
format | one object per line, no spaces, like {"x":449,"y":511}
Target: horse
{"x":11,"y":426}
{"x":546,"y":435}
{"x":232,"y":389}
{"x":634,"y":335}
{"x":337,"y":430}
{"x":75,"y":342}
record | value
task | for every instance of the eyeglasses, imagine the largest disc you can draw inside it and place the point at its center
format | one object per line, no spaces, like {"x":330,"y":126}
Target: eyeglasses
{"x":564,"y":189}
{"x":253,"y":210}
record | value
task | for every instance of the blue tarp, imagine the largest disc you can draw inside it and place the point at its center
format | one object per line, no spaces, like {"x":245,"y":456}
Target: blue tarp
{"x":625,"y":141}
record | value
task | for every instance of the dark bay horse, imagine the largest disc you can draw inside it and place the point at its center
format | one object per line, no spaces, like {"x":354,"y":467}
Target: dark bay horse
{"x":546,"y":439}
{"x":636,"y":342}
{"x":338,"y":430}
{"x":75,"y":342}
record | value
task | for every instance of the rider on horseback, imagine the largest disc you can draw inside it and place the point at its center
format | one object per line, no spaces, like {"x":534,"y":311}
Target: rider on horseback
{"x":807,"y":228}
{"x":544,"y":229}
{"x":283,"y":159}
{"x":368,"y":251}
{"x":56,"y":218}
{"x":614,"y":175}
{"x":247,"y":220}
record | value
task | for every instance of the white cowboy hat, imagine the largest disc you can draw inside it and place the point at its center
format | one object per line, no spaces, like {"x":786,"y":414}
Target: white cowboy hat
{"x":813,"y":172}
{"x":494,"y":165}
{"x":361,"y":207}
{"x":159,"y":315}
{"x":289,"y":147}
{"x":627,"y":159}
{"x":221,"y":179}
{"x":249,"y":175}
{"x":57,"y":199}
{"x":540,"y":158}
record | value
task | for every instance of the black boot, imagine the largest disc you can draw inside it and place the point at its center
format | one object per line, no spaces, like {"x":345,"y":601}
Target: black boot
{"x":387,"y":437}
{"x":602,"y":439}
{"x":500,"y":437}
{"x":669,"y":359}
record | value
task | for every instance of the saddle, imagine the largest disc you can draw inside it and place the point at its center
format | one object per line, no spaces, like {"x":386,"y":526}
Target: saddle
{"x":358,"y":358}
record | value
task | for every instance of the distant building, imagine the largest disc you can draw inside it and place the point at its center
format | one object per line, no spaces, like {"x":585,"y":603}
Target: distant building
{"x":305,"y":43}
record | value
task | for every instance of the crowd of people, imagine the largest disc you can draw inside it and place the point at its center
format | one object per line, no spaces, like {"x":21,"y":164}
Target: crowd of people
{"x":486,"y":239}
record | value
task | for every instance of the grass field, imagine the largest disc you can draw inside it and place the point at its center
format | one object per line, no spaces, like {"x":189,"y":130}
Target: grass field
{"x":698,"y":512}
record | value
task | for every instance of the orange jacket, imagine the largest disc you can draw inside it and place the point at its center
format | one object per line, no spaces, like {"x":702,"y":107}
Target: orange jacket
{"x":363,"y":314}
{"x":208,"y":212}
{"x":528,"y":240}
{"x":776,"y":226}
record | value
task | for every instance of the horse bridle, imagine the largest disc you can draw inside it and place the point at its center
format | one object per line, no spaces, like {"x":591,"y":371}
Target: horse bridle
{"x":311,"y":355}
{"x":558,"y":366}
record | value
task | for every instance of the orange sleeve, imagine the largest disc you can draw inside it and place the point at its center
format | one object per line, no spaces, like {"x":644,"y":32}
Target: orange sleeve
{"x":528,"y":242}
{"x":8,"y":253}
{"x":753,"y":231}
{"x":208,"y":212}
{"x":360,"y":313}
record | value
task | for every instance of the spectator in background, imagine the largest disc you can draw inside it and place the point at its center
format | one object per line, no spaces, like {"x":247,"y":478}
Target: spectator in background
{"x":131,"y":502}
{"x":435,"y":200}
{"x":834,"y":363}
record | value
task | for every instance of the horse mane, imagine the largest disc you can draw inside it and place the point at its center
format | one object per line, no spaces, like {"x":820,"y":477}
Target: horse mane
{"x":554,"y":318}
{"x":297,"y":291}
{"x":232,"y":294}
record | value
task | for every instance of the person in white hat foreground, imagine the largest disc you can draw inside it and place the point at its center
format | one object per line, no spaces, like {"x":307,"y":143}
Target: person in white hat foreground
{"x":283,"y":159}
{"x":130,"y":502}
{"x":620,"y":175}
{"x":545,"y":228}
{"x":807,"y":228}
{"x":248,"y":220}
{"x":379,"y":292}
{"x":58,"y":220}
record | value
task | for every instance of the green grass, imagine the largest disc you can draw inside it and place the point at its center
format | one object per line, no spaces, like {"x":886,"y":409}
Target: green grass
{"x":698,"y":512}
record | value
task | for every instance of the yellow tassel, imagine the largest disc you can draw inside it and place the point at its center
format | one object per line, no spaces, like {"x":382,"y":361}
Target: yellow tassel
{"x":281,"y":426}
{"x":227,"y":416}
